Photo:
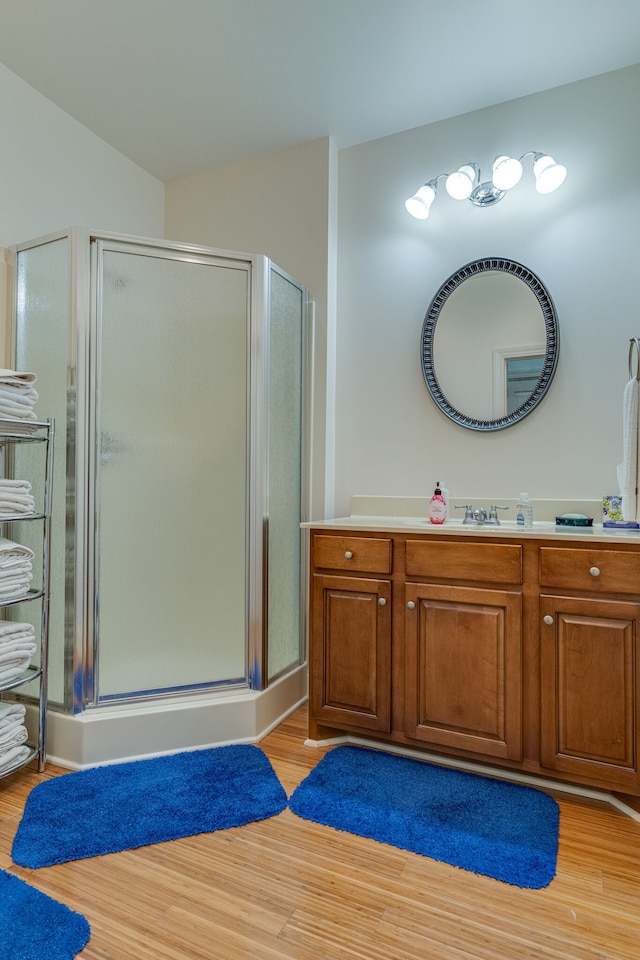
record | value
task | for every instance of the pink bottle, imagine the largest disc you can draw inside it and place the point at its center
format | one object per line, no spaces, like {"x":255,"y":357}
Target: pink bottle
{"x":437,"y":506}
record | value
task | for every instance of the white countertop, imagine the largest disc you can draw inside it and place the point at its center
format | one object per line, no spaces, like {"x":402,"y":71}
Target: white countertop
{"x":455,"y":527}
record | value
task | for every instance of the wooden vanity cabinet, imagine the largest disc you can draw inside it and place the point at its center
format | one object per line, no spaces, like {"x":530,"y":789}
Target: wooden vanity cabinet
{"x":350,"y":655}
{"x":590,"y":665}
{"x":519,"y":651}
{"x":463,"y":647}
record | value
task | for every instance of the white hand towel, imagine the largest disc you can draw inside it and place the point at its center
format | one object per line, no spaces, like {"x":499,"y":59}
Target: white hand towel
{"x":628,"y":470}
{"x":13,"y":628}
{"x":19,"y":648}
{"x":10,"y":711}
{"x":17,"y":376}
{"x":12,"y":508}
{"x":9,"y":550}
{"x":8,"y":657}
{"x":13,"y":738}
{"x":9,"y":728}
{"x":17,"y":590}
{"x":10,"y":714}
{"x":16,"y":571}
{"x":18,"y":396}
{"x":13,"y":758}
{"x":18,"y":486}
{"x":8,"y":413}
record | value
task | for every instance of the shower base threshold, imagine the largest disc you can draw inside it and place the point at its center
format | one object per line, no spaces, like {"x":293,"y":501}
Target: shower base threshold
{"x":113,"y":734}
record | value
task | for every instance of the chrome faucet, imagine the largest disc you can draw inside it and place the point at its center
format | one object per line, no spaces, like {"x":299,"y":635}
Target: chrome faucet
{"x":493,"y":514}
{"x":479,"y":515}
{"x":468,"y":514}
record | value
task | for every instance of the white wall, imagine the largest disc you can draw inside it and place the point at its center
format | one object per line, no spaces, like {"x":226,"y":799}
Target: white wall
{"x":54,"y":173}
{"x":280,"y":205}
{"x":391,"y":439}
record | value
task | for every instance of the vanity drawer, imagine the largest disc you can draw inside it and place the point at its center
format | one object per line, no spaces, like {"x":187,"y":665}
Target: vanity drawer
{"x":483,"y":562}
{"x":362,"y":554}
{"x":599,"y":571}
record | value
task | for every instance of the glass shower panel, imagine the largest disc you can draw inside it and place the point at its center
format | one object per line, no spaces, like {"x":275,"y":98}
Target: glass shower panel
{"x":42,"y":339}
{"x":170,"y":471}
{"x":285,"y":412}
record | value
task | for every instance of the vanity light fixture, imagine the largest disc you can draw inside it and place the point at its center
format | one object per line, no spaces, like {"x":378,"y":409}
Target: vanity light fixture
{"x":465,"y":183}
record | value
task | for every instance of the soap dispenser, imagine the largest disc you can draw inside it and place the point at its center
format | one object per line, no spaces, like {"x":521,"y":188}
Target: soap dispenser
{"x":437,"y":506}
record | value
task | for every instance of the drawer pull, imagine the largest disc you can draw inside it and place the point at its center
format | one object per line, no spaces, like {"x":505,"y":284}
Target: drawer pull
{"x":348,"y":555}
{"x":595,"y":571}
{"x":411,"y":605}
{"x":548,"y":619}
{"x":382,"y":602}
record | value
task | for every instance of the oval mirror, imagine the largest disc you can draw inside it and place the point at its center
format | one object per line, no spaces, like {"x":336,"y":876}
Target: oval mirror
{"x":490,"y":344}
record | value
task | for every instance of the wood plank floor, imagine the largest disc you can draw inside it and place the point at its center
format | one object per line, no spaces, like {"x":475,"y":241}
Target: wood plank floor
{"x":286,"y":889}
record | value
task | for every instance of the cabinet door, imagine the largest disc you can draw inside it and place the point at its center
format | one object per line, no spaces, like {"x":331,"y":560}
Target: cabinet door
{"x":590,"y":676}
{"x":464,"y":668}
{"x":351,"y":652}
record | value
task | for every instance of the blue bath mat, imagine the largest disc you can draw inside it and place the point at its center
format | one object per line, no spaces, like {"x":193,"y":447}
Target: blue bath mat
{"x":34,"y":927}
{"x":126,"y":805}
{"x":491,"y":827}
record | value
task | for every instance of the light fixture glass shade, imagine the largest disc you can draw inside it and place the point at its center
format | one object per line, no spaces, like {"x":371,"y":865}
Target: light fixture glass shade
{"x":549,"y":174}
{"x":460,"y":184}
{"x":506,"y":172}
{"x":420,"y":203}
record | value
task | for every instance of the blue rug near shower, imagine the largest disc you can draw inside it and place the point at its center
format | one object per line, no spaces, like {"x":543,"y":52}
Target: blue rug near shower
{"x":126,"y":805}
{"x":490,"y":827}
{"x":33,"y":926}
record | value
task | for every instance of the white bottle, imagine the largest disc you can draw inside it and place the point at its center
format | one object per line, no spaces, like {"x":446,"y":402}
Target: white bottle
{"x":524,"y":512}
{"x":445,"y":494}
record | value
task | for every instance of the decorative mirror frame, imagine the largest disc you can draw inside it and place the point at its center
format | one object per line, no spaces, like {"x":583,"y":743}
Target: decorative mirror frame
{"x":543,"y":297}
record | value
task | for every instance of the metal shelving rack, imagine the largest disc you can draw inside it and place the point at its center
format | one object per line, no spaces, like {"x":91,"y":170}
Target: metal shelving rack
{"x":14,"y":432}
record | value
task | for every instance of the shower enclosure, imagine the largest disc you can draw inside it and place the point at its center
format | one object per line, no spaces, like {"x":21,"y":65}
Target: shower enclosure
{"x":175,"y":375}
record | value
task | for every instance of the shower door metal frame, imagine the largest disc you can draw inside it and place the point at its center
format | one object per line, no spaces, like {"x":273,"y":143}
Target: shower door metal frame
{"x":81,"y":535}
{"x":74,"y":612}
{"x":99,"y":244}
{"x":260,"y":418}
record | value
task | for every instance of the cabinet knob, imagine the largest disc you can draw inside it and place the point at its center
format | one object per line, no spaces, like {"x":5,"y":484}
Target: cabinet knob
{"x":348,"y":555}
{"x":548,"y":619}
{"x":382,"y":602}
{"x":411,"y":605}
{"x":595,"y":571}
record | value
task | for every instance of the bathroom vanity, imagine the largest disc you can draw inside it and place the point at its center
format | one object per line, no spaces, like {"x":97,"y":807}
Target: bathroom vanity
{"x":492,"y":644}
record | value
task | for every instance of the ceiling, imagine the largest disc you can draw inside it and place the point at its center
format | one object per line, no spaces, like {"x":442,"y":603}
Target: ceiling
{"x":182,"y":86}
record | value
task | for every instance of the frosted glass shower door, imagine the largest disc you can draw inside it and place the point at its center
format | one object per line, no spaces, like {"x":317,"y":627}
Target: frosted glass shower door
{"x":169,"y":470}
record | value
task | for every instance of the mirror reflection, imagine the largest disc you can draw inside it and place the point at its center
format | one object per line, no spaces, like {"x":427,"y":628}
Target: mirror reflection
{"x":489,"y":344}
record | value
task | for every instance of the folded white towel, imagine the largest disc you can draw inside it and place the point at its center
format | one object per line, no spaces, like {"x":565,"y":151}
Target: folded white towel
{"x":9,"y":413}
{"x":11,"y":714}
{"x":15,"y":590}
{"x":18,"y":486}
{"x":13,"y":628}
{"x":26,"y":651}
{"x":17,"y":494}
{"x":11,"y":551}
{"x":13,"y":758}
{"x":14,"y":737}
{"x":16,"y":571}
{"x":12,"y":508}
{"x":18,"y":395}
{"x":17,"y":378}
{"x":17,"y":648}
